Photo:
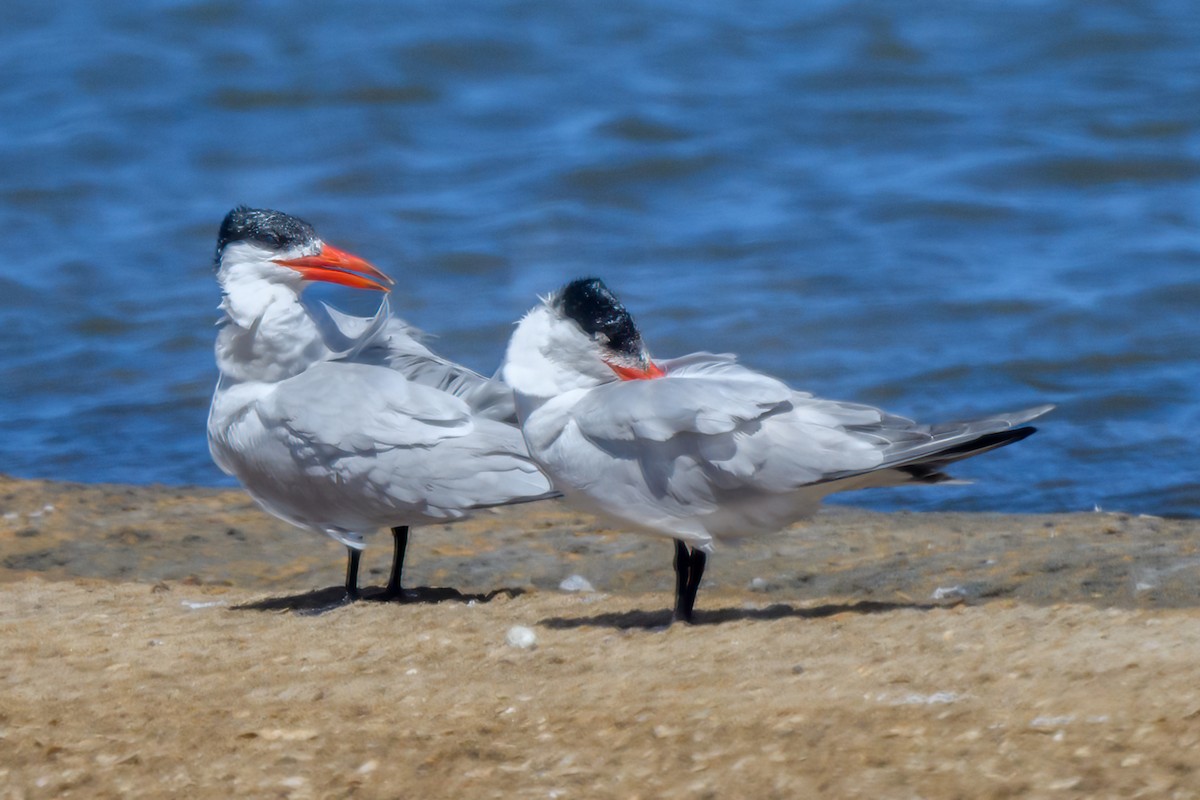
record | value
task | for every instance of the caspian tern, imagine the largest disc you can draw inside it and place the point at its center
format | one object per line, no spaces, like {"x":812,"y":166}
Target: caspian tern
{"x":700,"y":448}
{"x":340,"y":424}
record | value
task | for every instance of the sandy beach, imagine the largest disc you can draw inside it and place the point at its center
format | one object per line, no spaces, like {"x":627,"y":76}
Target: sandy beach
{"x":157,"y":643}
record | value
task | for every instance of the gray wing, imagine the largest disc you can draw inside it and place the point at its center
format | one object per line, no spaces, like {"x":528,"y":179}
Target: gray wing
{"x":711,"y":427}
{"x":354,"y":447}
{"x":830,"y":440}
{"x":673,"y":454}
{"x":915,"y":452}
{"x":389,"y":341}
{"x":704,"y":394}
{"x":714,"y":438}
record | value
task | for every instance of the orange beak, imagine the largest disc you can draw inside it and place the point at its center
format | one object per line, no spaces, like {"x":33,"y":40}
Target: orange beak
{"x":337,"y":266}
{"x":651,"y":371}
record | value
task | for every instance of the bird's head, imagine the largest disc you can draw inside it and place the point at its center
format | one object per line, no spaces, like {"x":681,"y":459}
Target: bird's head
{"x":596,"y":313}
{"x":257,"y":244}
{"x":580,"y":336}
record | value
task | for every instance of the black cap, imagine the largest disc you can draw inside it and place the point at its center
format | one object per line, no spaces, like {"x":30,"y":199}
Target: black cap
{"x":274,"y":229}
{"x":594,"y":308}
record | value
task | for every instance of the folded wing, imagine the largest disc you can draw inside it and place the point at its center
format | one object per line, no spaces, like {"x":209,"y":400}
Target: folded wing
{"x":389,"y":341}
{"x":713,"y":433}
{"x":407,"y":451}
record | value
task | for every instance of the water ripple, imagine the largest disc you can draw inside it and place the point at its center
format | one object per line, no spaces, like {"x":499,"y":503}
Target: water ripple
{"x":946,"y":209}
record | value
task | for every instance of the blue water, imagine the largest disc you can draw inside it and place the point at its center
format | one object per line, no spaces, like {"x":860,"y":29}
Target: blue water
{"x":942,"y":208}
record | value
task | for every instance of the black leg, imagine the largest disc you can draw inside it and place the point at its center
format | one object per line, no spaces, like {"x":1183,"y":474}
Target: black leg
{"x":682,"y":563}
{"x":395,"y":589}
{"x":689,"y":569}
{"x":695,"y":573}
{"x":353,"y":557}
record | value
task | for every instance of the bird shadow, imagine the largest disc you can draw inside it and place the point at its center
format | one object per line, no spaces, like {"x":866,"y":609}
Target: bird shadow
{"x":320,"y":601}
{"x":659,"y":620}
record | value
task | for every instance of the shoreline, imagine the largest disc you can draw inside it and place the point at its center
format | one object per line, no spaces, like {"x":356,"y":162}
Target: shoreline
{"x":149,"y":653}
{"x":61,"y":531}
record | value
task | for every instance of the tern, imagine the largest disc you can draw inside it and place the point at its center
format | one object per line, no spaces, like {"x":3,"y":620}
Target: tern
{"x":342,"y":425}
{"x":699,"y":448}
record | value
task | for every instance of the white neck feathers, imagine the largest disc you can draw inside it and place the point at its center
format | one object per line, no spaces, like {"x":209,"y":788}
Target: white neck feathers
{"x":548,"y":356}
{"x":267,"y":334}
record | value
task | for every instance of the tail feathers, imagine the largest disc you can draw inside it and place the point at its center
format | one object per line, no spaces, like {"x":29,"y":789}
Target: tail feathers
{"x":928,"y":468}
{"x":915,"y":457}
{"x":953,"y":441}
{"x":992,"y":423}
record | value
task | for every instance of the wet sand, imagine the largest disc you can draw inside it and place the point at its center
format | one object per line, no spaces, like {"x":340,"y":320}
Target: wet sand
{"x":156,"y":644}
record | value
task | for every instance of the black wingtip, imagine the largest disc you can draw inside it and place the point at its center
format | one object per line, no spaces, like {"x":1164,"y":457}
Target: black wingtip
{"x":929,"y":469}
{"x":989,"y":441}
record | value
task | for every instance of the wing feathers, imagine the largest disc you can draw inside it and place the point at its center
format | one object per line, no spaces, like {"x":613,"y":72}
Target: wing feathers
{"x":923,"y":451}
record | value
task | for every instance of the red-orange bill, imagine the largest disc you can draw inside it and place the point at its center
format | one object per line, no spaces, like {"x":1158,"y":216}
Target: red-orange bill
{"x":651,"y":371}
{"x":332,"y":265}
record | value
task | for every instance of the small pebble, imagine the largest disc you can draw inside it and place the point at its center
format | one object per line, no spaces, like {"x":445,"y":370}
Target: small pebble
{"x":759,"y":585}
{"x":192,"y":604}
{"x":576,"y":583}
{"x":1052,"y":722}
{"x":522,"y":637}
